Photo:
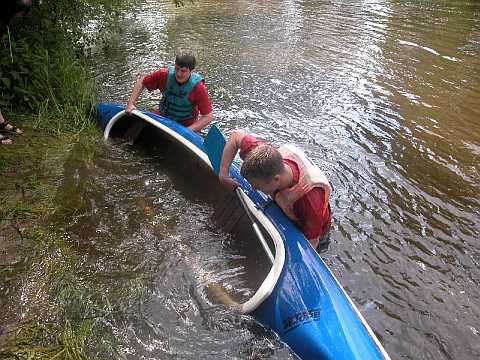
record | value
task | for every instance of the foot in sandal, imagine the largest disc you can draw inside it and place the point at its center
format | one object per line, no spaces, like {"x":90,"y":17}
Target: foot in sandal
{"x":6,"y":126}
{"x":5,"y":140}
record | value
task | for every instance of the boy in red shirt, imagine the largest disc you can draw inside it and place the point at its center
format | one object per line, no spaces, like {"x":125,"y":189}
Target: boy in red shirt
{"x":298,"y":186}
{"x":184,"y":95}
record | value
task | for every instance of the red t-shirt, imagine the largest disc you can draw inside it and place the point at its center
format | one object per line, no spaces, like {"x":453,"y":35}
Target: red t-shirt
{"x":198,"y":96}
{"x":309,"y":208}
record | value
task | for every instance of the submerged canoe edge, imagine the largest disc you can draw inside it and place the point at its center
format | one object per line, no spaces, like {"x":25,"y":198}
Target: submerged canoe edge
{"x":300,"y":299}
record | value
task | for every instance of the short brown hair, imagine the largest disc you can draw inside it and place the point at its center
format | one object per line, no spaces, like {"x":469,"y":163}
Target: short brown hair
{"x":185,"y":58}
{"x":262,"y":162}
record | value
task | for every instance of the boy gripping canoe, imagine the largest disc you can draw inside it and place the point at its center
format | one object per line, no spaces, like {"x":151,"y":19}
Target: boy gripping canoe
{"x":184,"y":95}
{"x":298,"y":186}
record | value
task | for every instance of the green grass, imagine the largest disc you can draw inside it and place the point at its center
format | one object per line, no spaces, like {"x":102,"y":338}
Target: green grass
{"x":35,"y":340}
{"x":48,"y":277}
{"x":47,"y":89}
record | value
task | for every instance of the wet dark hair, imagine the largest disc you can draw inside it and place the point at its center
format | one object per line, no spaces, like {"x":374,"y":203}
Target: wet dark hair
{"x":185,"y":58}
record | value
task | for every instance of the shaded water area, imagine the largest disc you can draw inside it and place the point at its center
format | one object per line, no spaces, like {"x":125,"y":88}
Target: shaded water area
{"x":382,"y":95}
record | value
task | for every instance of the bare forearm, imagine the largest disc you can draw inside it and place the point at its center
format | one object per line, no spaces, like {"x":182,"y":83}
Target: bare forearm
{"x":231,"y":148}
{"x":202,"y":121}
{"x":136,"y":91}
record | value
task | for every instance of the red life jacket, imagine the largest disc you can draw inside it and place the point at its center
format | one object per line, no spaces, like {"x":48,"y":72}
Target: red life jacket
{"x":310,"y":177}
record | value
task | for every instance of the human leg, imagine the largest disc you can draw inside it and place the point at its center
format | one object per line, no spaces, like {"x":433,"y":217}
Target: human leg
{"x":6,"y":126}
{"x":5,"y":140}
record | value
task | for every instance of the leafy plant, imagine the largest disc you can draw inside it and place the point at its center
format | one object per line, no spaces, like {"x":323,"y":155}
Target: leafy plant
{"x":43,"y":67}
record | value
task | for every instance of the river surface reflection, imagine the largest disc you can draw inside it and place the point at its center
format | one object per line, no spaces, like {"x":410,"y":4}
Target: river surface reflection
{"x":385,"y":97}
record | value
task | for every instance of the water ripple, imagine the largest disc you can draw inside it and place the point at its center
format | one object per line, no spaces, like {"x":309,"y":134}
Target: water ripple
{"x":383,"y":96}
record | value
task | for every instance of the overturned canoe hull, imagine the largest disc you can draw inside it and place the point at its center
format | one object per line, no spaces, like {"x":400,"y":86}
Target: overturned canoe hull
{"x":299,"y":299}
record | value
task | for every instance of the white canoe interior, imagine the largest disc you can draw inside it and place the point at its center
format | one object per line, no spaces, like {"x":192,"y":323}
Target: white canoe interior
{"x":270,"y":232}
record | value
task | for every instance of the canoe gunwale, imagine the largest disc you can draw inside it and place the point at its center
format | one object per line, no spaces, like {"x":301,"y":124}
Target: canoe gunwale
{"x":270,"y":281}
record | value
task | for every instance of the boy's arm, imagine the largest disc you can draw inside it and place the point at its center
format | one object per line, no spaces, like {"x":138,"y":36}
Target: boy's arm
{"x":202,"y":121}
{"x":199,"y":97}
{"x":229,"y":151}
{"x":137,"y":90}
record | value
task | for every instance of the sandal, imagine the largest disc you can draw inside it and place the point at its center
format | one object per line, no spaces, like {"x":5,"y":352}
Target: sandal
{"x":5,"y":140}
{"x":6,"y":126}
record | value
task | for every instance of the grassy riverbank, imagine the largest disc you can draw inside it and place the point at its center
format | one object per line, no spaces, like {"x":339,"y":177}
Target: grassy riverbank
{"x":49,"y":307}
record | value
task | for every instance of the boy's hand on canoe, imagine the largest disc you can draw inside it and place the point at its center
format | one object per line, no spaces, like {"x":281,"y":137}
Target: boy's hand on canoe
{"x":130,"y":108}
{"x":228,"y":182}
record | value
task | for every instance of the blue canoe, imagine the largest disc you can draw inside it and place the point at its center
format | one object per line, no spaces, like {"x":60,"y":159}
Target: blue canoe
{"x":299,"y":299}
